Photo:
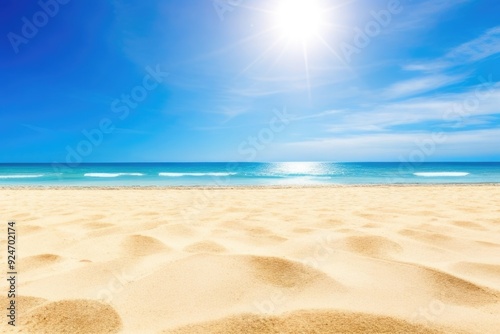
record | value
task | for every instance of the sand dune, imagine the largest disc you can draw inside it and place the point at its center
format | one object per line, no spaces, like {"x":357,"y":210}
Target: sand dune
{"x":243,"y":280}
{"x":205,"y":246}
{"x":413,"y":259}
{"x":72,"y":316}
{"x":373,"y":246}
{"x":39,"y":261}
{"x":306,"y":322}
{"x":139,"y":245}
{"x":459,"y":291}
{"x":492,"y":270}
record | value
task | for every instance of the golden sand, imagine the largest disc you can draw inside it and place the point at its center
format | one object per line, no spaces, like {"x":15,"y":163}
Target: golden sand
{"x":381,"y":259}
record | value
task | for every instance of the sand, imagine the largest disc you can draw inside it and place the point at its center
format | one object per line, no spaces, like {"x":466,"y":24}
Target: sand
{"x":381,"y":259}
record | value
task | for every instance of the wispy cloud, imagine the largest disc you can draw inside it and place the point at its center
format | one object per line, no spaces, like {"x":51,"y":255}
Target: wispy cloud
{"x":317,"y":115}
{"x":393,"y":146}
{"x":421,"y":85}
{"x":486,"y":45}
{"x":425,"y":14}
{"x":231,"y":112}
{"x":446,"y":111}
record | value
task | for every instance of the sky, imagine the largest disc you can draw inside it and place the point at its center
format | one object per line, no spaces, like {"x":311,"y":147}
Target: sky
{"x":249,"y":80}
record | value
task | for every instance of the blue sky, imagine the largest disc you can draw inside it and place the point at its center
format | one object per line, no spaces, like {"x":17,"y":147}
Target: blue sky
{"x":198,"y":80}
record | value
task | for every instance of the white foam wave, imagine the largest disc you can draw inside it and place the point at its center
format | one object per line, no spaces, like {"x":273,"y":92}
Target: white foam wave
{"x":195,"y":174}
{"x":21,"y":176}
{"x":441,"y":174}
{"x":111,"y":174}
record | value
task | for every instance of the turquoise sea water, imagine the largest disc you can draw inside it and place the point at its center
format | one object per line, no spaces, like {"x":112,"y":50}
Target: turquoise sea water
{"x":235,"y":174}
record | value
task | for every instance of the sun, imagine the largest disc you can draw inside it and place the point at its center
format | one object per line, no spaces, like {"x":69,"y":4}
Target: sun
{"x":299,"y":20}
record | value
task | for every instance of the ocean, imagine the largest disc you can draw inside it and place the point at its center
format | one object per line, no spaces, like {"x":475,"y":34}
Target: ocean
{"x":248,"y":174}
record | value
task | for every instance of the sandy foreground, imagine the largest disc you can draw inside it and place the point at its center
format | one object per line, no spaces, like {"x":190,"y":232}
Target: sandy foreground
{"x":383,"y":259}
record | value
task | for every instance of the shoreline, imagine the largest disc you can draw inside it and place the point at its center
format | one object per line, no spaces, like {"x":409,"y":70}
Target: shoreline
{"x":277,"y":187}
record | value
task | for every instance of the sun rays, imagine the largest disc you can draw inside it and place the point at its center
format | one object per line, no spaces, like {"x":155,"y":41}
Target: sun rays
{"x":293,"y":28}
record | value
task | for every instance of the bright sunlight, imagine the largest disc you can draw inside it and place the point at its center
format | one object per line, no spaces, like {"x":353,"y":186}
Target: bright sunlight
{"x":299,"y":20}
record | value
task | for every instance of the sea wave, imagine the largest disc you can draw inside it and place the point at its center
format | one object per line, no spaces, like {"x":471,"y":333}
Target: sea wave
{"x":20,"y":176}
{"x":195,"y":174}
{"x":111,"y":174}
{"x":441,"y":174}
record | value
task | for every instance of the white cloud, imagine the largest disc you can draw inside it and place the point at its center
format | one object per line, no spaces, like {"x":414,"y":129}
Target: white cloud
{"x":450,"y":110}
{"x":318,"y":115}
{"x":393,"y":147}
{"x":421,"y":85}
{"x":486,"y":45}
{"x":482,"y":47}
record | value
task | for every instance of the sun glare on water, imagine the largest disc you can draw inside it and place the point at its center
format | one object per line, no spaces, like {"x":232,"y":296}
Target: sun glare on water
{"x":299,"y":20}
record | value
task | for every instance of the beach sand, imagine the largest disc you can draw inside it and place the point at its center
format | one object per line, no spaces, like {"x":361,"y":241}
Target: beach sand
{"x":379,"y":259}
